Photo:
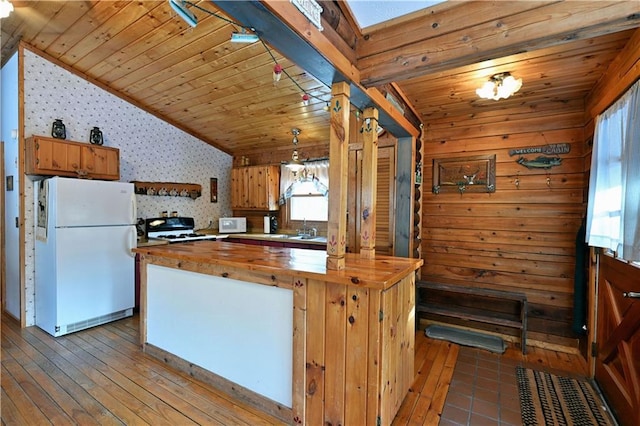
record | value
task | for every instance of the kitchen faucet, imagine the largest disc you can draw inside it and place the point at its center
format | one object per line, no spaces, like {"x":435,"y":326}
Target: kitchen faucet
{"x":307,"y":232}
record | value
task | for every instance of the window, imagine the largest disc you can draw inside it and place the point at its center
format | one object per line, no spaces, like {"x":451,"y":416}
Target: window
{"x":613,"y":220}
{"x":306,"y":192}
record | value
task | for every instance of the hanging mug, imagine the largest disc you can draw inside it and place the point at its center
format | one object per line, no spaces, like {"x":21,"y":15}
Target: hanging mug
{"x":95,"y":137}
{"x":58,"y":130}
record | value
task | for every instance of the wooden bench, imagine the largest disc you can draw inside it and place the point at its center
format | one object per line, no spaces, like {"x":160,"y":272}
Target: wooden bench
{"x":469,"y":313}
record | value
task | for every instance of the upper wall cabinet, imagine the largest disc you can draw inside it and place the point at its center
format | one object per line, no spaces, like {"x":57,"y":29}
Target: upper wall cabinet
{"x":255,"y":187}
{"x":57,"y":157}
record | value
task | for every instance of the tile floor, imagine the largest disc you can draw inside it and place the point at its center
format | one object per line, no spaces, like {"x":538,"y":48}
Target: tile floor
{"x":483,"y":391}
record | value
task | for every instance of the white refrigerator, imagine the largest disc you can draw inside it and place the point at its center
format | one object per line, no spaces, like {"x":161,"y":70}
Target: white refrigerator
{"x":84,"y":267}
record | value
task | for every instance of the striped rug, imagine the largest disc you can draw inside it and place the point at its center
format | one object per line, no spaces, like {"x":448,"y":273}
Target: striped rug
{"x":547,"y":399}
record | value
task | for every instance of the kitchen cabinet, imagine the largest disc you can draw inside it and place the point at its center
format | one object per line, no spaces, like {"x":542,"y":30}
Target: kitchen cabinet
{"x":58,"y":157}
{"x":255,"y":187}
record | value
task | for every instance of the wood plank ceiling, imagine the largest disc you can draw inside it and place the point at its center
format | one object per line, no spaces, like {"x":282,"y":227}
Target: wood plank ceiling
{"x":223,"y":92}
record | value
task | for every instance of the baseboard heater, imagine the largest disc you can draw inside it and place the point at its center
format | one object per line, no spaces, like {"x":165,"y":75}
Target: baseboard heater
{"x":92,"y":322}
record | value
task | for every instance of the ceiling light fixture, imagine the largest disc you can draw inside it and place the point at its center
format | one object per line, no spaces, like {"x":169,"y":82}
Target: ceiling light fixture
{"x":180,"y":7}
{"x":243,"y":37}
{"x":5,"y":8}
{"x":499,"y":86}
{"x":295,"y":165}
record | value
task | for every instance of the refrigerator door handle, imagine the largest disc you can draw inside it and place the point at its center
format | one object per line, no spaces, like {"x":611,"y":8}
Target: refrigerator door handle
{"x":133,"y":241}
{"x":134,"y":208}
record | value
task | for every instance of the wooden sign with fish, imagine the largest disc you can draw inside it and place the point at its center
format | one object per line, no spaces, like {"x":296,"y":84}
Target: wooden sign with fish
{"x":541,"y":161}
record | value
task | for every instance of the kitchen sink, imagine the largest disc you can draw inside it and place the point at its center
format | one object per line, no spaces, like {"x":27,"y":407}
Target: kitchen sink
{"x":307,"y":238}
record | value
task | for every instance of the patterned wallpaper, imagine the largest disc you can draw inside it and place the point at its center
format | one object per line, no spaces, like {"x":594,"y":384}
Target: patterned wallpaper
{"x":150,"y":149}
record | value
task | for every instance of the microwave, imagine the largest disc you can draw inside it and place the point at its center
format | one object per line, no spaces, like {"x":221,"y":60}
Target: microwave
{"x":232,"y":224}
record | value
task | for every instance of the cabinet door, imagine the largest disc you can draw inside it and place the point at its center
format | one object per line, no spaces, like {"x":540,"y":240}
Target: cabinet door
{"x":100,"y":162}
{"x":257,"y":191}
{"x":255,"y":187}
{"x":239,"y":188}
{"x":52,"y":157}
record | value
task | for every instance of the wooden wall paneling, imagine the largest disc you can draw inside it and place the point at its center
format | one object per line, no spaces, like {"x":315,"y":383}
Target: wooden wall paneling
{"x":315,"y":361}
{"x":435,"y":146}
{"x":373,"y":361}
{"x":455,"y":130}
{"x":520,"y":238}
{"x":335,"y":317}
{"x":357,"y":311}
{"x":389,"y":357}
{"x":300,"y":297}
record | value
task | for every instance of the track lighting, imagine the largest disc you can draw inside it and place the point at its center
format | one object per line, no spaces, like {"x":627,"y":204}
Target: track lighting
{"x":180,"y":7}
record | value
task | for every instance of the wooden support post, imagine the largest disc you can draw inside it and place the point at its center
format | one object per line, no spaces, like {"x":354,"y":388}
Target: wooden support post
{"x":369,"y":183}
{"x":338,"y":160}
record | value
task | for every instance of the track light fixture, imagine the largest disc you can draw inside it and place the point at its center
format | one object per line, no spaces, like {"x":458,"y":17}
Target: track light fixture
{"x":180,"y":7}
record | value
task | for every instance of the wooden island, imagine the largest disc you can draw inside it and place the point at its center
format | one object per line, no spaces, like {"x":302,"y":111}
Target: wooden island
{"x":273,"y":327}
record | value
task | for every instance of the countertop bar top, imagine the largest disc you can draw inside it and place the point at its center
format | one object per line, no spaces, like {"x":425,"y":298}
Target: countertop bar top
{"x":381,"y":272}
{"x":273,"y":237}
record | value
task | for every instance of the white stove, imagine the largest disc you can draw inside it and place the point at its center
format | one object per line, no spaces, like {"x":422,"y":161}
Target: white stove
{"x":176,"y":230}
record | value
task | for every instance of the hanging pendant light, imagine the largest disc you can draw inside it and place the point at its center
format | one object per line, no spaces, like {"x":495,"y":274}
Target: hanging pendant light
{"x":295,"y":165}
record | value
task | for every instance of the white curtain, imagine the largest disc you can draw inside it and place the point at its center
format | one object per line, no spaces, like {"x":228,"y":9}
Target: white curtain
{"x":614,"y":188}
{"x":316,"y":174}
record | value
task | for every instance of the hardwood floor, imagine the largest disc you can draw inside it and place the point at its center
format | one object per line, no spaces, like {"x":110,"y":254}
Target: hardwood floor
{"x":100,"y":376}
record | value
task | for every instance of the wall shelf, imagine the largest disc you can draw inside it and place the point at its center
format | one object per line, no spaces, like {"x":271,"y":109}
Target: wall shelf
{"x":168,"y":189}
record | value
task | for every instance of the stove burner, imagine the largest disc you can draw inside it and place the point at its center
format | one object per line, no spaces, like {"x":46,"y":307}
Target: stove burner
{"x":175,"y":230}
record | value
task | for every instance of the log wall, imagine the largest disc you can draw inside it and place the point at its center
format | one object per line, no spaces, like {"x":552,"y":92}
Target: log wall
{"x":522,"y":236}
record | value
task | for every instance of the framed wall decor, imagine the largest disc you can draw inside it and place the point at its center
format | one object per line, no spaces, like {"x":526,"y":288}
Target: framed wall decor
{"x":464,"y":174}
{"x":214,"y":190}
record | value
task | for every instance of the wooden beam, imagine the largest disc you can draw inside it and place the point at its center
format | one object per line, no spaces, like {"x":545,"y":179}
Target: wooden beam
{"x":285,"y":29}
{"x":511,"y":28}
{"x":369,"y":183}
{"x":338,"y":160}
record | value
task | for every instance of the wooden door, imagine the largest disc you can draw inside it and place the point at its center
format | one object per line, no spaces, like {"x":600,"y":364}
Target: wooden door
{"x":618,"y":336}
{"x":385,"y":200}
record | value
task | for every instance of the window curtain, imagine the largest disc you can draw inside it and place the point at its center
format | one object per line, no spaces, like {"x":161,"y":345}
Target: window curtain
{"x":315,"y":173}
{"x":613,"y":209}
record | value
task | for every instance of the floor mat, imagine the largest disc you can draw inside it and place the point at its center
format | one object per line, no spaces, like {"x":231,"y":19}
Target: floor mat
{"x":547,"y":399}
{"x":466,"y":338}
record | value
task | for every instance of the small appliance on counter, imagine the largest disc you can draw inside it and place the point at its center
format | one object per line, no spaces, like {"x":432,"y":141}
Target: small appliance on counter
{"x":175,"y":230}
{"x":230,"y":225}
{"x":271,"y":224}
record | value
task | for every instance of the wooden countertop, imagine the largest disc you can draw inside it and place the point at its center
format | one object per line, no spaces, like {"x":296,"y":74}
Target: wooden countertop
{"x":285,"y":238}
{"x":380,"y":273}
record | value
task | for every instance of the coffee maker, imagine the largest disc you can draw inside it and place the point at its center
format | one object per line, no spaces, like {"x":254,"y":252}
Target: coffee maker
{"x":271,"y":224}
